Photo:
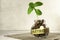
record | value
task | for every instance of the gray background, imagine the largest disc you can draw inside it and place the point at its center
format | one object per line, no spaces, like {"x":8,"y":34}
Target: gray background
{"x":13,"y":14}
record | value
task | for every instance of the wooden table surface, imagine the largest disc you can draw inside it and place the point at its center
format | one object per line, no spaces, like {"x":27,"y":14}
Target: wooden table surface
{"x":28,"y":36}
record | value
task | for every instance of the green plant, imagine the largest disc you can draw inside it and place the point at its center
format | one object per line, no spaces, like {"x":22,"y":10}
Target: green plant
{"x":32,"y":6}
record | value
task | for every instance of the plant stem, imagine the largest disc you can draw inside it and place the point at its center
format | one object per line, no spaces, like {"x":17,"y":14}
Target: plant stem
{"x":36,"y":15}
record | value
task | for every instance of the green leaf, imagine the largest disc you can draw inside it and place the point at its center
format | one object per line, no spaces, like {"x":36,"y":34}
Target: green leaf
{"x":31,"y":4}
{"x":38,"y":4}
{"x":30,"y":10}
{"x":38,"y":12}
